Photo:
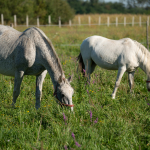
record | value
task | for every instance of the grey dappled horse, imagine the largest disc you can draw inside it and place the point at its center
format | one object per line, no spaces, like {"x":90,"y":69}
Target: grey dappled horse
{"x":122,"y":55}
{"x":32,"y":53}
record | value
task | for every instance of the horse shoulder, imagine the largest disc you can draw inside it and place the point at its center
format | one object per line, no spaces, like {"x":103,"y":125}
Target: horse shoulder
{"x":25,"y":51}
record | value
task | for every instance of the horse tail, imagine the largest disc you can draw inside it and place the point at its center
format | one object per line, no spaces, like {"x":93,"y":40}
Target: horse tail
{"x":81,"y":66}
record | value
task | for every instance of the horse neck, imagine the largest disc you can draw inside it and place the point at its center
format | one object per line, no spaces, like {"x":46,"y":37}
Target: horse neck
{"x":51,"y":62}
{"x":144,"y":59}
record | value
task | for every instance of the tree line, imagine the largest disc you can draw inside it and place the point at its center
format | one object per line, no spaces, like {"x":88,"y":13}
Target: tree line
{"x":99,"y":6}
{"x":66,"y":9}
{"x":34,"y":9}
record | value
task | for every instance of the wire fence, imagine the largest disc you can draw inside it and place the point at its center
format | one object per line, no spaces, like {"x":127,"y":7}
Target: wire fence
{"x":107,"y":21}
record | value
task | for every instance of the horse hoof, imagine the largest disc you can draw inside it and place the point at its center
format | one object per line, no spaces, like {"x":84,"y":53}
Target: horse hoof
{"x":13,"y":106}
{"x":113,"y":97}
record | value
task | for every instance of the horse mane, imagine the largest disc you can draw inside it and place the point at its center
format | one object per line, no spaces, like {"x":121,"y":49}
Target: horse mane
{"x":146,"y":52}
{"x":141,"y":47}
{"x":52,"y":47}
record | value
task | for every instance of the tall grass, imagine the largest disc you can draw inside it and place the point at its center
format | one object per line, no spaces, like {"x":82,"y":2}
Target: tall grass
{"x":98,"y":122}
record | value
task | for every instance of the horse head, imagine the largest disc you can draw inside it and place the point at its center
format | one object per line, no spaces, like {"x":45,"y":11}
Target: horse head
{"x":64,"y":91}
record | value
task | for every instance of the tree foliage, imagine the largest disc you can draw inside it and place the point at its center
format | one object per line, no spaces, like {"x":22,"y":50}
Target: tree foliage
{"x":34,"y":9}
{"x":99,"y":6}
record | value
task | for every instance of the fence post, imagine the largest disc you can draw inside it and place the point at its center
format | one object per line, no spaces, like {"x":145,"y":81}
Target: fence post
{"x":89,"y":21}
{"x":59,"y":22}
{"x":70,"y":23}
{"x":132,"y":21}
{"x":116,"y":21}
{"x":148,"y":21}
{"x":79,"y":20}
{"x":124,"y":21}
{"x":99,"y":21}
{"x":27,"y":21}
{"x":147,"y":42}
{"x":2,"y":19}
{"x":108,"y":21}
{"x":49,"y":20}
{"x":140,"y":21}
{"x":38,"y":22}
{"x":15,"y":20}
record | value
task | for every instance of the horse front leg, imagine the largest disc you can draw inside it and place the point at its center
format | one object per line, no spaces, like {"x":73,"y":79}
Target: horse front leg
{"x":121,"y":71}
{"x":131,"y":80}
{"x":18,"y":79}
{"x":39,"y":84}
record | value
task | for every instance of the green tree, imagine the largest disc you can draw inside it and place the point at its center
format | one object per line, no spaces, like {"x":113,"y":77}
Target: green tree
{"x":17,"y":7}
{"x":34,"y":9}
{"x":59,"y":8}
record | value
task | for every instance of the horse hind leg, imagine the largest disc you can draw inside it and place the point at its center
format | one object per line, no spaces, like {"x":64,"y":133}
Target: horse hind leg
{"x":18,"y":79}
{"x":121,"y":71}
{"x":89,"y":67}
{"x":39,"y":84}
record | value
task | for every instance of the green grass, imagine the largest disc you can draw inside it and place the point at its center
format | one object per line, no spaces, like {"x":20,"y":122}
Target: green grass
{"x":123,"y":123}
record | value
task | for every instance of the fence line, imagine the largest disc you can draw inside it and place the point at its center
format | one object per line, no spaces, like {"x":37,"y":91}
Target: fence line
{"x":69,"y":45}
{"x":89,"y":22}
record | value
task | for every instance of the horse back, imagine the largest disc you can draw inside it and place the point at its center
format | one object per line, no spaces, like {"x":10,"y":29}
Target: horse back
{"x":17,"y":50}
{"x":107,"y":53}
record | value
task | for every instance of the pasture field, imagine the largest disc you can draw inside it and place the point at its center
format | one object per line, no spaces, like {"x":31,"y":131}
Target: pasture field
{"x":98,"y":122}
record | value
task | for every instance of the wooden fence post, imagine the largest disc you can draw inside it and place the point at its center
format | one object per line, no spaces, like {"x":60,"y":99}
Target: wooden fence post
{"x":124,"y":21}
{"x":59,"y":22}
{"x":38,"y":22}
{"x":89,"y":21}
{"x":148,"y":20}
{"x":108,"y":21}
{"x":15,"y":20}
{"x":116,"y":21}
{"x":70,"y":23}
{"x":147,"y":42}
{"x":140,"y":21}
{"x":2,"y":19}
{"x":99,"y":21}
{"x":79,"y":20}
{"x":49,"y":20}
{"x":27,"y":21}
{"x":132,"y":21}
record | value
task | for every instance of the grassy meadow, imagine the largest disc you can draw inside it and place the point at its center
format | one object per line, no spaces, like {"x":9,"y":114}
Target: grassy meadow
{"x":98,"y":122}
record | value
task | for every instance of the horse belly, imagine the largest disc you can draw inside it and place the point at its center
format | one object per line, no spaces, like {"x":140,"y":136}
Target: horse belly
{"x":7,"y":68}
{"x":105,"y":62}
{"x":34,"y":70}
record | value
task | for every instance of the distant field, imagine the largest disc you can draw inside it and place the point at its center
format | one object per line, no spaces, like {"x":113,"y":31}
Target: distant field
{"x":98,"y":122}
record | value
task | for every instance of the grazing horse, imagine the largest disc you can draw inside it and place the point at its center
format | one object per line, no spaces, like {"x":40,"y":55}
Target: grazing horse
{"x":32,"y":53}
{"x":122,"y":55}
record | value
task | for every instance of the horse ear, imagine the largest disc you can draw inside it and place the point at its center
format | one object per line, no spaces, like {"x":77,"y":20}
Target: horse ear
{"x":70,"y":78}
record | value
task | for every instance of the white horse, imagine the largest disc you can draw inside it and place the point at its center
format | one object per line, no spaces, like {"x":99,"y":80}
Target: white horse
{"x":122,"y":55}
{"x":32,"y":53}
